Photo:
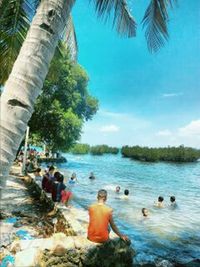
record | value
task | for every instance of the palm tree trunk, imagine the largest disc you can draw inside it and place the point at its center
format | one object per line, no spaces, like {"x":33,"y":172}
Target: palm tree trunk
{"x":26,"y":79}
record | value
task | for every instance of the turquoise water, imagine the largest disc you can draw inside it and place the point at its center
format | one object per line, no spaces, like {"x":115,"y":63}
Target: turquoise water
{"x":173,"y":235}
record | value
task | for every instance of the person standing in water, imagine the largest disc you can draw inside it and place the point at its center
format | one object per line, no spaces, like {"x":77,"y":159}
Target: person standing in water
{"x":73,"y":179}
{"x":173,"y":203}
{"x":125,"y":195}
{"x":159,"y":203}
{"x":100,"y":218}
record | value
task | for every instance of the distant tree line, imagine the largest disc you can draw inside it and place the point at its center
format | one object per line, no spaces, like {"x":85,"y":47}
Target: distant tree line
{"x":94,"y":150}
{"x":171,"y":154}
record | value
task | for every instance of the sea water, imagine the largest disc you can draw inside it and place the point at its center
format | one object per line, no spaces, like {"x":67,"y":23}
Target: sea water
{"x":168,"y":234}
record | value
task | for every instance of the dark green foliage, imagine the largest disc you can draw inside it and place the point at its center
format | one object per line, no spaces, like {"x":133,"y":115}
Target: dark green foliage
{"x":171,"y":154}
{"x":63,"y":105}
{"x":103,"y":149}
{"x":80,"y":149}
{"x":94,"y":150}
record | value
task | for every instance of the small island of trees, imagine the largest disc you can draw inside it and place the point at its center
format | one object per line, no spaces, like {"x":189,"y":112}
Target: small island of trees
{"x":170,"y":154}
{"x":167,"y":154}
{"x":94,"y":150}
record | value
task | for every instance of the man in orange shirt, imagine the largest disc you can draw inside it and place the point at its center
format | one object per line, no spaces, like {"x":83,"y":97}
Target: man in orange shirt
{"x":100,"y":219}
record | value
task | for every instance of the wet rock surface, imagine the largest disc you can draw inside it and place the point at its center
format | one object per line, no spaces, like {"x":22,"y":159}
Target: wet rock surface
{"x":114,"y":253}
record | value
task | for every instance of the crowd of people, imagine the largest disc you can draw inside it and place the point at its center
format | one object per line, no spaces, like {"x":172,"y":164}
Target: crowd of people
{"x":100,"y":215}
{"x":53,"y":182}
{"x":31,"y":162}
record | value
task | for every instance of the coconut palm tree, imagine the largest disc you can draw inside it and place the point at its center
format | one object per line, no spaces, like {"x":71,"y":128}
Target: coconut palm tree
{"x":31,"y":66}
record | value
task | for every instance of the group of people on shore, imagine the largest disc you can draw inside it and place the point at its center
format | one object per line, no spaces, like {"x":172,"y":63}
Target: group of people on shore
{"x":53,"y":182}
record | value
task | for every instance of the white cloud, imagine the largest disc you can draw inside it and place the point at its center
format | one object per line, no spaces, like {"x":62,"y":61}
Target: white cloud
{"x":171,"y":94}
{"x":191,"y":129}
{"x":164,"y":133}
{"x":123,"y":119}
{"x":109,"y":128}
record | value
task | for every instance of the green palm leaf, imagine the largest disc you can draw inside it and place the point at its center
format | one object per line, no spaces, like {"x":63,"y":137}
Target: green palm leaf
{"x":123,"y":21}
{"x":155,"y":20}
{"x":69,"y":38}
{"x":14,"y":24}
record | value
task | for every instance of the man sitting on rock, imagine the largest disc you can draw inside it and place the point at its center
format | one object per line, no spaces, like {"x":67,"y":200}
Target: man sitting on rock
{"x":100,"y":219}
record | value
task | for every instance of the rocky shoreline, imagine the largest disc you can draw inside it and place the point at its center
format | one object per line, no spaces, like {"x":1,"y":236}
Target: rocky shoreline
{"x":33,"y":233}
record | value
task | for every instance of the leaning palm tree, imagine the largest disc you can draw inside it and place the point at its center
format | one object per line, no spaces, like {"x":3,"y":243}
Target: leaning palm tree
{"x":31,"y":66}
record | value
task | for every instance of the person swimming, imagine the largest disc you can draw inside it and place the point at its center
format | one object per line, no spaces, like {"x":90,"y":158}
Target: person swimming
{"x":145,"y":212}
{"x":92,"y":177}
{"x":159,"y":203}
{"x":125,"y":195}
{"x":173,"y":203}
{"x":117,"y":189}
{"x":73,"y":179}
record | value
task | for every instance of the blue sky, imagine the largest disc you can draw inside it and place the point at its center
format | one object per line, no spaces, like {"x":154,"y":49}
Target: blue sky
{"x":144,"y":99}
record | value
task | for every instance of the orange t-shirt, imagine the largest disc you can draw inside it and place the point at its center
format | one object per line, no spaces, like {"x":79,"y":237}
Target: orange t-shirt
{"x":100,"y":215}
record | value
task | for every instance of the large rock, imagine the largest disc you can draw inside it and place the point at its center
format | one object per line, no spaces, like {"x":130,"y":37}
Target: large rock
{"x":114,"y":253}
{"x":27,"y":258}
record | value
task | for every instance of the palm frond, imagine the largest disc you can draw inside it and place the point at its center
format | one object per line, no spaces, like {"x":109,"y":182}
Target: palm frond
{"x":123,"y":20}
{"x":14,"y":23}
{"x":155,"y":20}
{"x":69,"y":38}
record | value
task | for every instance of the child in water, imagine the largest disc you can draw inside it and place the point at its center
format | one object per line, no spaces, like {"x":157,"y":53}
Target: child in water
{"x":91,"y":177}
{"x":73,"y":179}
{"x":145,"y":212}
{"x":159,"y":203}
{"x":126,"y":194}
{"x":117,"y":189}
{"x":173,"y":203}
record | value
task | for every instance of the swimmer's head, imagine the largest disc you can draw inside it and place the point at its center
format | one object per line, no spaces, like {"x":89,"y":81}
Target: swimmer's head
{"x":145,"y":212}
{"x":172,"y":199}
{"x":73,"y":175}
{"x":117,"y":189}
{"x":126,"y":192}
{"x":160,"y":199}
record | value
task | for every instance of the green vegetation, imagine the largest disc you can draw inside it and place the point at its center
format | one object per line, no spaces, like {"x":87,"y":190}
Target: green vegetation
{"x":80,"y":149}
{"x":171,"y":154}
{"x":63,"y":105}
{"x":103,"y":149}
{"x":94,"y":150}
